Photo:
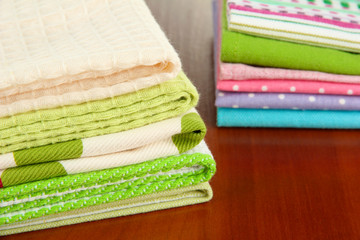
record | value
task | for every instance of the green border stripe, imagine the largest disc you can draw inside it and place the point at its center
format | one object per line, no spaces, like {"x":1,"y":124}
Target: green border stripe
{"x":14,"y":176}
{"x":193,"y":130}
{"x":49,"y":153}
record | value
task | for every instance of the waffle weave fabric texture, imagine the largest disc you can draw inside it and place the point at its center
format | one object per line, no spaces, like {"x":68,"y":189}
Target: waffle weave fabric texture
{"x":162,"y":139}
{"x":242,"y":48}
{"x":124,"y":112}
{"x":330,"y":24}
{"x":57,"y":195}
{"x":70,"y":52}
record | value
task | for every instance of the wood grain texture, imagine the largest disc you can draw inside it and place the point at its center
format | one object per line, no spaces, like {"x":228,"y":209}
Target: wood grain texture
{"x":270,"y":184}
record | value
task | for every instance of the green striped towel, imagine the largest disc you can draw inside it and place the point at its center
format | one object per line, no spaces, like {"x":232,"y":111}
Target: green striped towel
{"x":161,"y":139}
{"x":37,"y":200}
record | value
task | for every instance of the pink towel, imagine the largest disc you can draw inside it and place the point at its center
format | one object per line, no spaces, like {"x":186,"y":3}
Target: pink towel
{"x":289,"y":86}
{"x":232,"y":71}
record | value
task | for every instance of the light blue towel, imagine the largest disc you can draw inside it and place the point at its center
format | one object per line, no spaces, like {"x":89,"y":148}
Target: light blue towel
{"x":238,"y":117}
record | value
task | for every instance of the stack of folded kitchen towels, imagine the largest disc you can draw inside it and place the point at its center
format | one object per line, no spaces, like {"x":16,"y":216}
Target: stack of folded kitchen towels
{"x":288,"y":63}
{"x":97,"y":119}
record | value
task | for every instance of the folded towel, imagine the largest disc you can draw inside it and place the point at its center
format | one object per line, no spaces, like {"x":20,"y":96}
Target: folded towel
{"x":238,"y":71}
{"x":63,"y":53}
{"x":289,"y":86}
{"x":100,"y":117}
{"x":32,"y":201}
{"x":244,"y":78}
{"x":287,"y":101}
{"x":331,"y":24}
{"x":178,"y":197}
{"x":242,"y":48}
{"x":282,"y":118}
{"x":165,"y":138}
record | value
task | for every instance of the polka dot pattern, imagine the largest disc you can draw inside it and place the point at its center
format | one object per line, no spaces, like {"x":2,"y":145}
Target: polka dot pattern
{"x":278,"y":86}
{"x":287,"y":101}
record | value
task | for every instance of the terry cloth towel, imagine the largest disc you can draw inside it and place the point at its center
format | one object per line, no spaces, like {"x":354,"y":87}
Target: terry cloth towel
{"x":177,"y":197}
{"x":330,"y":24}
{"x":287,"y":101}
{"x":28,"y":204}
{"x":161,"y":139}
{"x":242,"y":48}
{"x":70,"y":52}
{"x":124,"y":112}
{"x":285,"y":118}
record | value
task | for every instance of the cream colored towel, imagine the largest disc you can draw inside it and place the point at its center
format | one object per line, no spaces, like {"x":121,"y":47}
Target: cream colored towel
{"x":55,"y":53}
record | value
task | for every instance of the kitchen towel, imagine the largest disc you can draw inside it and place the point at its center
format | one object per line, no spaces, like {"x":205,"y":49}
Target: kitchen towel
{"x":329,"y":24}
{"x":64,"y":53}
{"x":289,"y":86}
{"x":288,"y":118}
{"x":124,"y":112}
{"x":287,"y":101}
{"x":185,"y":130}
{"x":239,"y":77}
{"x":29,"y":202}
{"x":178,"y":197}
{"x":242,"y":48}
{"x":165,"y":138}
{"x":238,"y":71}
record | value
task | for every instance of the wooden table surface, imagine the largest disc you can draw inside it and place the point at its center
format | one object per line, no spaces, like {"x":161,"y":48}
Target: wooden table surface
{"x":270,"y":183}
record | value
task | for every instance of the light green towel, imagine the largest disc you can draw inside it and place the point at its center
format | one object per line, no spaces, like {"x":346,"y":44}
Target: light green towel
{"x":36,"y":200}
{"x":146,"y":203}
{"x":242,"y":48}
{"x":120,"y":113}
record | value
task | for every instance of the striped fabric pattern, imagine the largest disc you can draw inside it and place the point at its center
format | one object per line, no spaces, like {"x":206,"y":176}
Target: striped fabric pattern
{"x":332,"y":24}
{"x":165,"y":138}
{"x":57,"y":195}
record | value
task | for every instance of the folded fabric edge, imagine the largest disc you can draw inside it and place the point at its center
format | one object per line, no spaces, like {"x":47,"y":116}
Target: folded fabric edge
{"x":294,"y":51}
{"x":78,"y":122}
{"x":186,"y":131}
{"x":158,"y":201}
{"x":283,"y":118}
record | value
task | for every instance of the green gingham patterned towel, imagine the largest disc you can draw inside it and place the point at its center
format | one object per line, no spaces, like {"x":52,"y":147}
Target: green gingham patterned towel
{"x":120,"y":113}
{"x":43,"y":198}
{"x":161,"y":139}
